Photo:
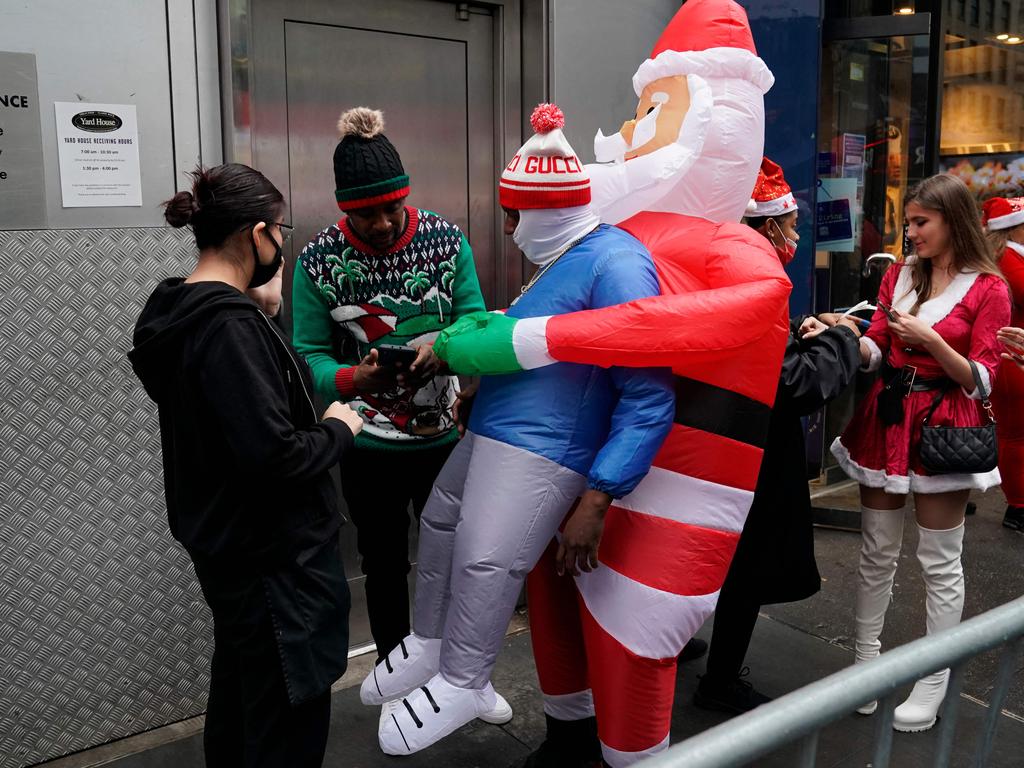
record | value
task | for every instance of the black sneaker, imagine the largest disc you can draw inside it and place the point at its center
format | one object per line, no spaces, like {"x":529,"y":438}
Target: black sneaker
{"x":735,"y":697}
{"x":971,"y":509}
{"x":568,"y":744}
{"x":550,"y":755}
{"x":1014,"y":518}
{"x":693,"y":650}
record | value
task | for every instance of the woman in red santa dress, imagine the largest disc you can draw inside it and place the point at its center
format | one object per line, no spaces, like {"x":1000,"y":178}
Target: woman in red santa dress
{"x":1004,"y":222}
{"x":947,"y":302}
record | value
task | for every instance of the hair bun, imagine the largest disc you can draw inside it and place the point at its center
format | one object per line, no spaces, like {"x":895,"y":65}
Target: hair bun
{"x":178,"y":211}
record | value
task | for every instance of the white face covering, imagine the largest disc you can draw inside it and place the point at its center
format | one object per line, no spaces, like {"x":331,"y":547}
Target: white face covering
{"x":543,"y":233}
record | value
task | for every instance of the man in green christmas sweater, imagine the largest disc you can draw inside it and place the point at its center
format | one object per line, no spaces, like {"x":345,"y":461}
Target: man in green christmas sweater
{"x":385,"y":274}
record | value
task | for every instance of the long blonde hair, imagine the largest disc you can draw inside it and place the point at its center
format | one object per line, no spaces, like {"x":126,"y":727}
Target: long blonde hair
{"x":949,"y":196}
{"x":997,"y":240}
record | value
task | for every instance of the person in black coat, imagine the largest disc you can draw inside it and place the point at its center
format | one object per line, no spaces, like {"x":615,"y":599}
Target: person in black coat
{"x":246,"y":462}
{"x":774,"y":560}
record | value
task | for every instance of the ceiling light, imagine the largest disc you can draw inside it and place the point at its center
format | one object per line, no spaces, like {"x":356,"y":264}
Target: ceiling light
{"x":1003,"y":36}
{"x":904,"y":10}
{"x":1013,"y":40}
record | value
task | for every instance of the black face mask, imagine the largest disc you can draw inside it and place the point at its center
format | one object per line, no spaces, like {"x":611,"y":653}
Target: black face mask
{"x":264,"y":273}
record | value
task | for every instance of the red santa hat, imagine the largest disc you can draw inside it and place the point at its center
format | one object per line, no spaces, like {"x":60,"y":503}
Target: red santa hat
{"x":545,"y":172}
{"x":710,"y":38}
{"x":1002,"y":212}
{"x":772,"y":195}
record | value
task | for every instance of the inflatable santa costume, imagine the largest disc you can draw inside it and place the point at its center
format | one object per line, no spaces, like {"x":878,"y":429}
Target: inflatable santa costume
{"x":536,"y":442}
{"x":1006,"y":216}
{"x":679,"y":180}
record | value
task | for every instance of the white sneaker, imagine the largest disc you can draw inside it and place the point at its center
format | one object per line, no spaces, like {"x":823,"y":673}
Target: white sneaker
{"x":408,"y":666}
{"x":435,"y":710}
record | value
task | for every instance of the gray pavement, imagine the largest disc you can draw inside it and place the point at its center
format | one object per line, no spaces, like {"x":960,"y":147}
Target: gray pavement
{"x":793,"y":645}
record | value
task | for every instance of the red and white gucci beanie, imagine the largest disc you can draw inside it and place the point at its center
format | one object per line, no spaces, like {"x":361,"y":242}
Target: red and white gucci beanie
{"x":545,"y":172}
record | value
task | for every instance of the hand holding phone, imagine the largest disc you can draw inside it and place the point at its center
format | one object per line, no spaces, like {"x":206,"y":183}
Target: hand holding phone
{"x":395,"y":356}
{"x":889,"y":311}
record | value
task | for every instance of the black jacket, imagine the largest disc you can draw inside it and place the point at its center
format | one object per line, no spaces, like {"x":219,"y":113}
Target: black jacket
{"x":245,"y":457}
{"x":775,"y":556}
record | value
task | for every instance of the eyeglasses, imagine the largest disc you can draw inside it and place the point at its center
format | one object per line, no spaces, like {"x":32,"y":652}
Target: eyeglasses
{"x":286,"y":231}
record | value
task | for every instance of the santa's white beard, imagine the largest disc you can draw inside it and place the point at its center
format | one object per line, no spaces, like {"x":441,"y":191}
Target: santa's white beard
{"x":708,"y":172}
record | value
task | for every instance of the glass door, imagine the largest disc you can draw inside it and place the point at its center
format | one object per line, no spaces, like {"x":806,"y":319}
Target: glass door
{"x":872,"y":146}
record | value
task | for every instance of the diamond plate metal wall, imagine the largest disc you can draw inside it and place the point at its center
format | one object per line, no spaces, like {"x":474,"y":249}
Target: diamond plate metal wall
{"x":103,"y":630}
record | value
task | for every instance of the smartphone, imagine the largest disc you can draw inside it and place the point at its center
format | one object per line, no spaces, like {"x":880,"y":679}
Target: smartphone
{"x":395,"y":356}
{"x":888,"y":311}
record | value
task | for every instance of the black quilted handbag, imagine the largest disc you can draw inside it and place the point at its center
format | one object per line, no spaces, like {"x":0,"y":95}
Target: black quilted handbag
{"x":960,"y":450}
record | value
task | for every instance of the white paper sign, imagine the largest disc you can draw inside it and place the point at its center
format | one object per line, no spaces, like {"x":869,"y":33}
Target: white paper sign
{"x":98,"y":148}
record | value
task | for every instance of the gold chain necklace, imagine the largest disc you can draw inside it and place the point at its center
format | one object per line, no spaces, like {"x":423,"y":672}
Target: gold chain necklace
{"x":540,"y":272}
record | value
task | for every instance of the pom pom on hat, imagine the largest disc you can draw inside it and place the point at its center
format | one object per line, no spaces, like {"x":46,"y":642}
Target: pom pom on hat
{"x":362,"y":122}
{"x":1002,"y":212}
{"x":367,"y":168}
{"x":547,"y":117}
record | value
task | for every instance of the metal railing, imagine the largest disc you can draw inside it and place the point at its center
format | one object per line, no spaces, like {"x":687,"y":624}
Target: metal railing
{"x":802,"y":714}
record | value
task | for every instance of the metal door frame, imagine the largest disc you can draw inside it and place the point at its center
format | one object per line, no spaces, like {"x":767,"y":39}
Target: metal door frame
{"x":237,"y":72}
{"x":930,"y":23}
{"x":880,"y":27}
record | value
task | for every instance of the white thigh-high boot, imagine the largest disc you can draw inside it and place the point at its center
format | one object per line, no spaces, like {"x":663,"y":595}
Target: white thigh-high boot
{"x":939,"y":553}
{"x":881,"y":537}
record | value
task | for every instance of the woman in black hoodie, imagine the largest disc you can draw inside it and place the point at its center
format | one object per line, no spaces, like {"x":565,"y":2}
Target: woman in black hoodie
{"x":246,"y":463}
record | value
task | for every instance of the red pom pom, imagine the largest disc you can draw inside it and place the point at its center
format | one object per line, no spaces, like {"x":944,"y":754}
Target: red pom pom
{"x":547,"y":117}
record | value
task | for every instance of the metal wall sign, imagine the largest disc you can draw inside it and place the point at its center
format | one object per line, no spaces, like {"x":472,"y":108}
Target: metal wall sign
{"x":98,"y":150}
{"x":22,"y":191}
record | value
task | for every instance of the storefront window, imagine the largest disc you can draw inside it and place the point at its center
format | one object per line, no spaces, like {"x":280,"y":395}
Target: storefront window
{"x":982,"y":121}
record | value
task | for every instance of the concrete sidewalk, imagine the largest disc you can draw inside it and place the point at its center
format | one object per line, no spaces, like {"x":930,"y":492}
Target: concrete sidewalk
{"x":793,"y":645}
{"x":785,"y":659}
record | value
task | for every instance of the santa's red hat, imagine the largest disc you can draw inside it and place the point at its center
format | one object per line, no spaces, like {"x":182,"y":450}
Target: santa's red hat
{"x":772,"y":195}
{"x":710,"y":38}
{"x":1002,"y":212}
{"x":545,"y":172}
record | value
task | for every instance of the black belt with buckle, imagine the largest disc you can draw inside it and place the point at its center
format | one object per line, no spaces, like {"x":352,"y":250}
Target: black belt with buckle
{"x":910,"y":381}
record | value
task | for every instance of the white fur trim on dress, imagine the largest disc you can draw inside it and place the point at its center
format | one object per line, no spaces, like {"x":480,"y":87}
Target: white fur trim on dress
{"x":986,"y":381}
{"x":712,"y":63}
{"x":875,"y":361}
{"x":932,"y":311}
{"x":570,"y":706}
{"x":530,"y":342}
{"x":912,"y":483}
{"x":618,"y":759}
{"x":1007,"y":221}
{"x":1015,"y":247}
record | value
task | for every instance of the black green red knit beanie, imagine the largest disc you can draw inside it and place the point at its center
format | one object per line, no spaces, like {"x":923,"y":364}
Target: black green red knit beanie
{"x":367,"y":168}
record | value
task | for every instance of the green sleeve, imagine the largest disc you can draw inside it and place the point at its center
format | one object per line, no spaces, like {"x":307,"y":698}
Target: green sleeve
{"x":311,"y":333}
{"x":466,"y":295}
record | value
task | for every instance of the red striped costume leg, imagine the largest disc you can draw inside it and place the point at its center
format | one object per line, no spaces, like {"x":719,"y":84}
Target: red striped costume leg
{"x":557,"y":637}
{"x":664,"y":555}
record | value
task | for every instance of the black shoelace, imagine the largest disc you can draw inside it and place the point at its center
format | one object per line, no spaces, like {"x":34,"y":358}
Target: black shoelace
{"x":387,"y":659}
{"x":412,"y":712}
{"x":430,"y":698}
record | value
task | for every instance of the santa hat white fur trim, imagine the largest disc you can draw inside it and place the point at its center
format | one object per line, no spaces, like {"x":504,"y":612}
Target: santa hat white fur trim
{"x":710,"y":64}
{"x":776,"y":207}
{"x":1007,"y":221}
